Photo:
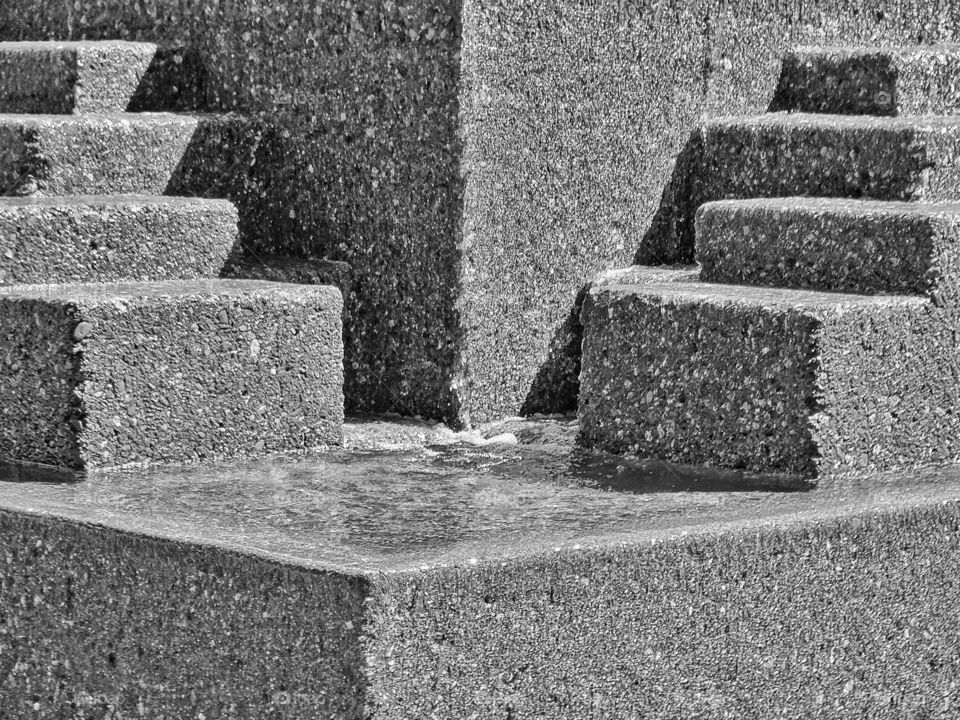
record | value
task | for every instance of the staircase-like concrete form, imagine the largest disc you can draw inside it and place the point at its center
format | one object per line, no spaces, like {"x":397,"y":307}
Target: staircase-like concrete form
{"x":177,"y":366}
{"x":821,"y":336}
{"x":497,"y":575}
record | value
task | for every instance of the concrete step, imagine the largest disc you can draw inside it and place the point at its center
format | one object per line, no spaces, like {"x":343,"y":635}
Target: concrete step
{"x":91,"y":77}
{"x":862,"y":246}
{"x":789,"y":154}
{"x":793,"y":382}
{"x":110,"y":154}
{"x":413,"y":584}
{"x":915,"y":80}
{"x":114,"y":238}
{"x":784,"y":154}
{"x":101,"y":375}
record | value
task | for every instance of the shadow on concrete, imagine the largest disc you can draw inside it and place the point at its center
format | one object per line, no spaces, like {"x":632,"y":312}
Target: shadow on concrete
{"x":556,"y":387}
{"x":236,"y":157}
{"x":175,"y":82}
{"x":670,"y":239}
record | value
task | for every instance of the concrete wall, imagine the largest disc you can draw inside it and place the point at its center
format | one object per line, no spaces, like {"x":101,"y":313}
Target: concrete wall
{"x":476,"y":165}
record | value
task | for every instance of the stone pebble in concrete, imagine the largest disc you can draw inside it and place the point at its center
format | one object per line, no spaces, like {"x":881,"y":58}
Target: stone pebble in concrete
{"x":114,"y":238}
{"x":857,"y":246}
{"x":98,"y":376}
{"x":791,"y":382}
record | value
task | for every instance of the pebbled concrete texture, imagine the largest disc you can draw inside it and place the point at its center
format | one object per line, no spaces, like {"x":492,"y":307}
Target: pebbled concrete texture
{"x":113,"y":238}
{"x":71,"y":77}
{"x":363,"y":587}
{"x":102,"y":375}
{"x":787,"y":154}
{"x":798,"y":382}
{"x":856,"y":246}
{"x":445,"y":151}
{"x":916,"y":80}
{"x":281,"y":268}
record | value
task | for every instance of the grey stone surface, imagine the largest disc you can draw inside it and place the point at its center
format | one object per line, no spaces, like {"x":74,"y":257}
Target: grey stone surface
{"x":861,"y":246}
{"x":109,"y":154}
{"x":113,"y":238}
{"x":912,"y":80}
{"x":280,"y":268}
{"x":445,"y":151}
{"x":71,"y":77}
{"x":400,"y":585}
{"x":103,"y":375}
{"x":769,"y":380}
{"x":786,"y":154}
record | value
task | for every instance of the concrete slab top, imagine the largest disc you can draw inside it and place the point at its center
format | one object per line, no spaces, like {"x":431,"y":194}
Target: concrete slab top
{"x":845,"y":206}
{"x":800,"y":120}
{"x":139,"y":119}
{"x":44,"y":201}
{"x":684,"y":290}
{"x":127,"y":291}
{"x":867,"y":51}
{"x":34,"y":45}
{"x":396,"y":502}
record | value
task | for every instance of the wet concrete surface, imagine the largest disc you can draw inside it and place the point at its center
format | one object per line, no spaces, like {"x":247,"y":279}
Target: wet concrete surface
{"x":404,"y":494}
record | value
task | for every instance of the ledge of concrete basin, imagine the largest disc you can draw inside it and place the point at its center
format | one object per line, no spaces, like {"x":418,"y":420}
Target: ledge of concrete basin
{"x":354,"y":584}
{"x":402,"y":509}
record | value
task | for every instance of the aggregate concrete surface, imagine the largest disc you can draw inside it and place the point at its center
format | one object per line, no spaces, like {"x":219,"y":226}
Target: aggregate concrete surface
{"x":445,"y":151}
{"x":458,"y":580}
{"x":787,"y":154}
{"x":106,"y":375}
{"x":856,"y":246}
{"x":71,"y":77}
{"x":113,"y":238}
{"x":770,"y":380}
{"x":915,"y":80}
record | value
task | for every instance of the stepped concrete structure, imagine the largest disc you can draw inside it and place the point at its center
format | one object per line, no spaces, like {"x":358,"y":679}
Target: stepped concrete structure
{"x":771,"y":378}
{"x":98,"y":375}
{"x":111,"y":238}
{"x":180,"y":366}
{"x":754,"y":513}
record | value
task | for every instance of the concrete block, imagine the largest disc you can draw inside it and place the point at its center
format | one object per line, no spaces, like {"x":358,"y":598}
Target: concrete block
{"x":787,"y":154}
{"x":105,"y":375}
{"x":110,"y":154}
{"x":112,"y":238}
{"x":774,"y":381}
{"x":71,"y":77}
{"x":380,"y":586}
{"x":858,"y":246}
{"x":912,"y":80}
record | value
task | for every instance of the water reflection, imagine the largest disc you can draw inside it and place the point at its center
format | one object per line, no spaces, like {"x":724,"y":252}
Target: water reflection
{"x":405,"y":487}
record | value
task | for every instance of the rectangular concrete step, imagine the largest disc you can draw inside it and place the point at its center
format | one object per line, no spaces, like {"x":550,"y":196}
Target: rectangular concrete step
{"x":109,"y":154}
{"x":101,"y":375}
{"x":862,"y":246}
{"x":72,"y":77}
{"x":390,"y":585}
{"x":796,"y":382}
{"x":791,"y":154}
{"x":112,"y":238}
{"x":783,"y":154}
{"x":914,"y":80}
